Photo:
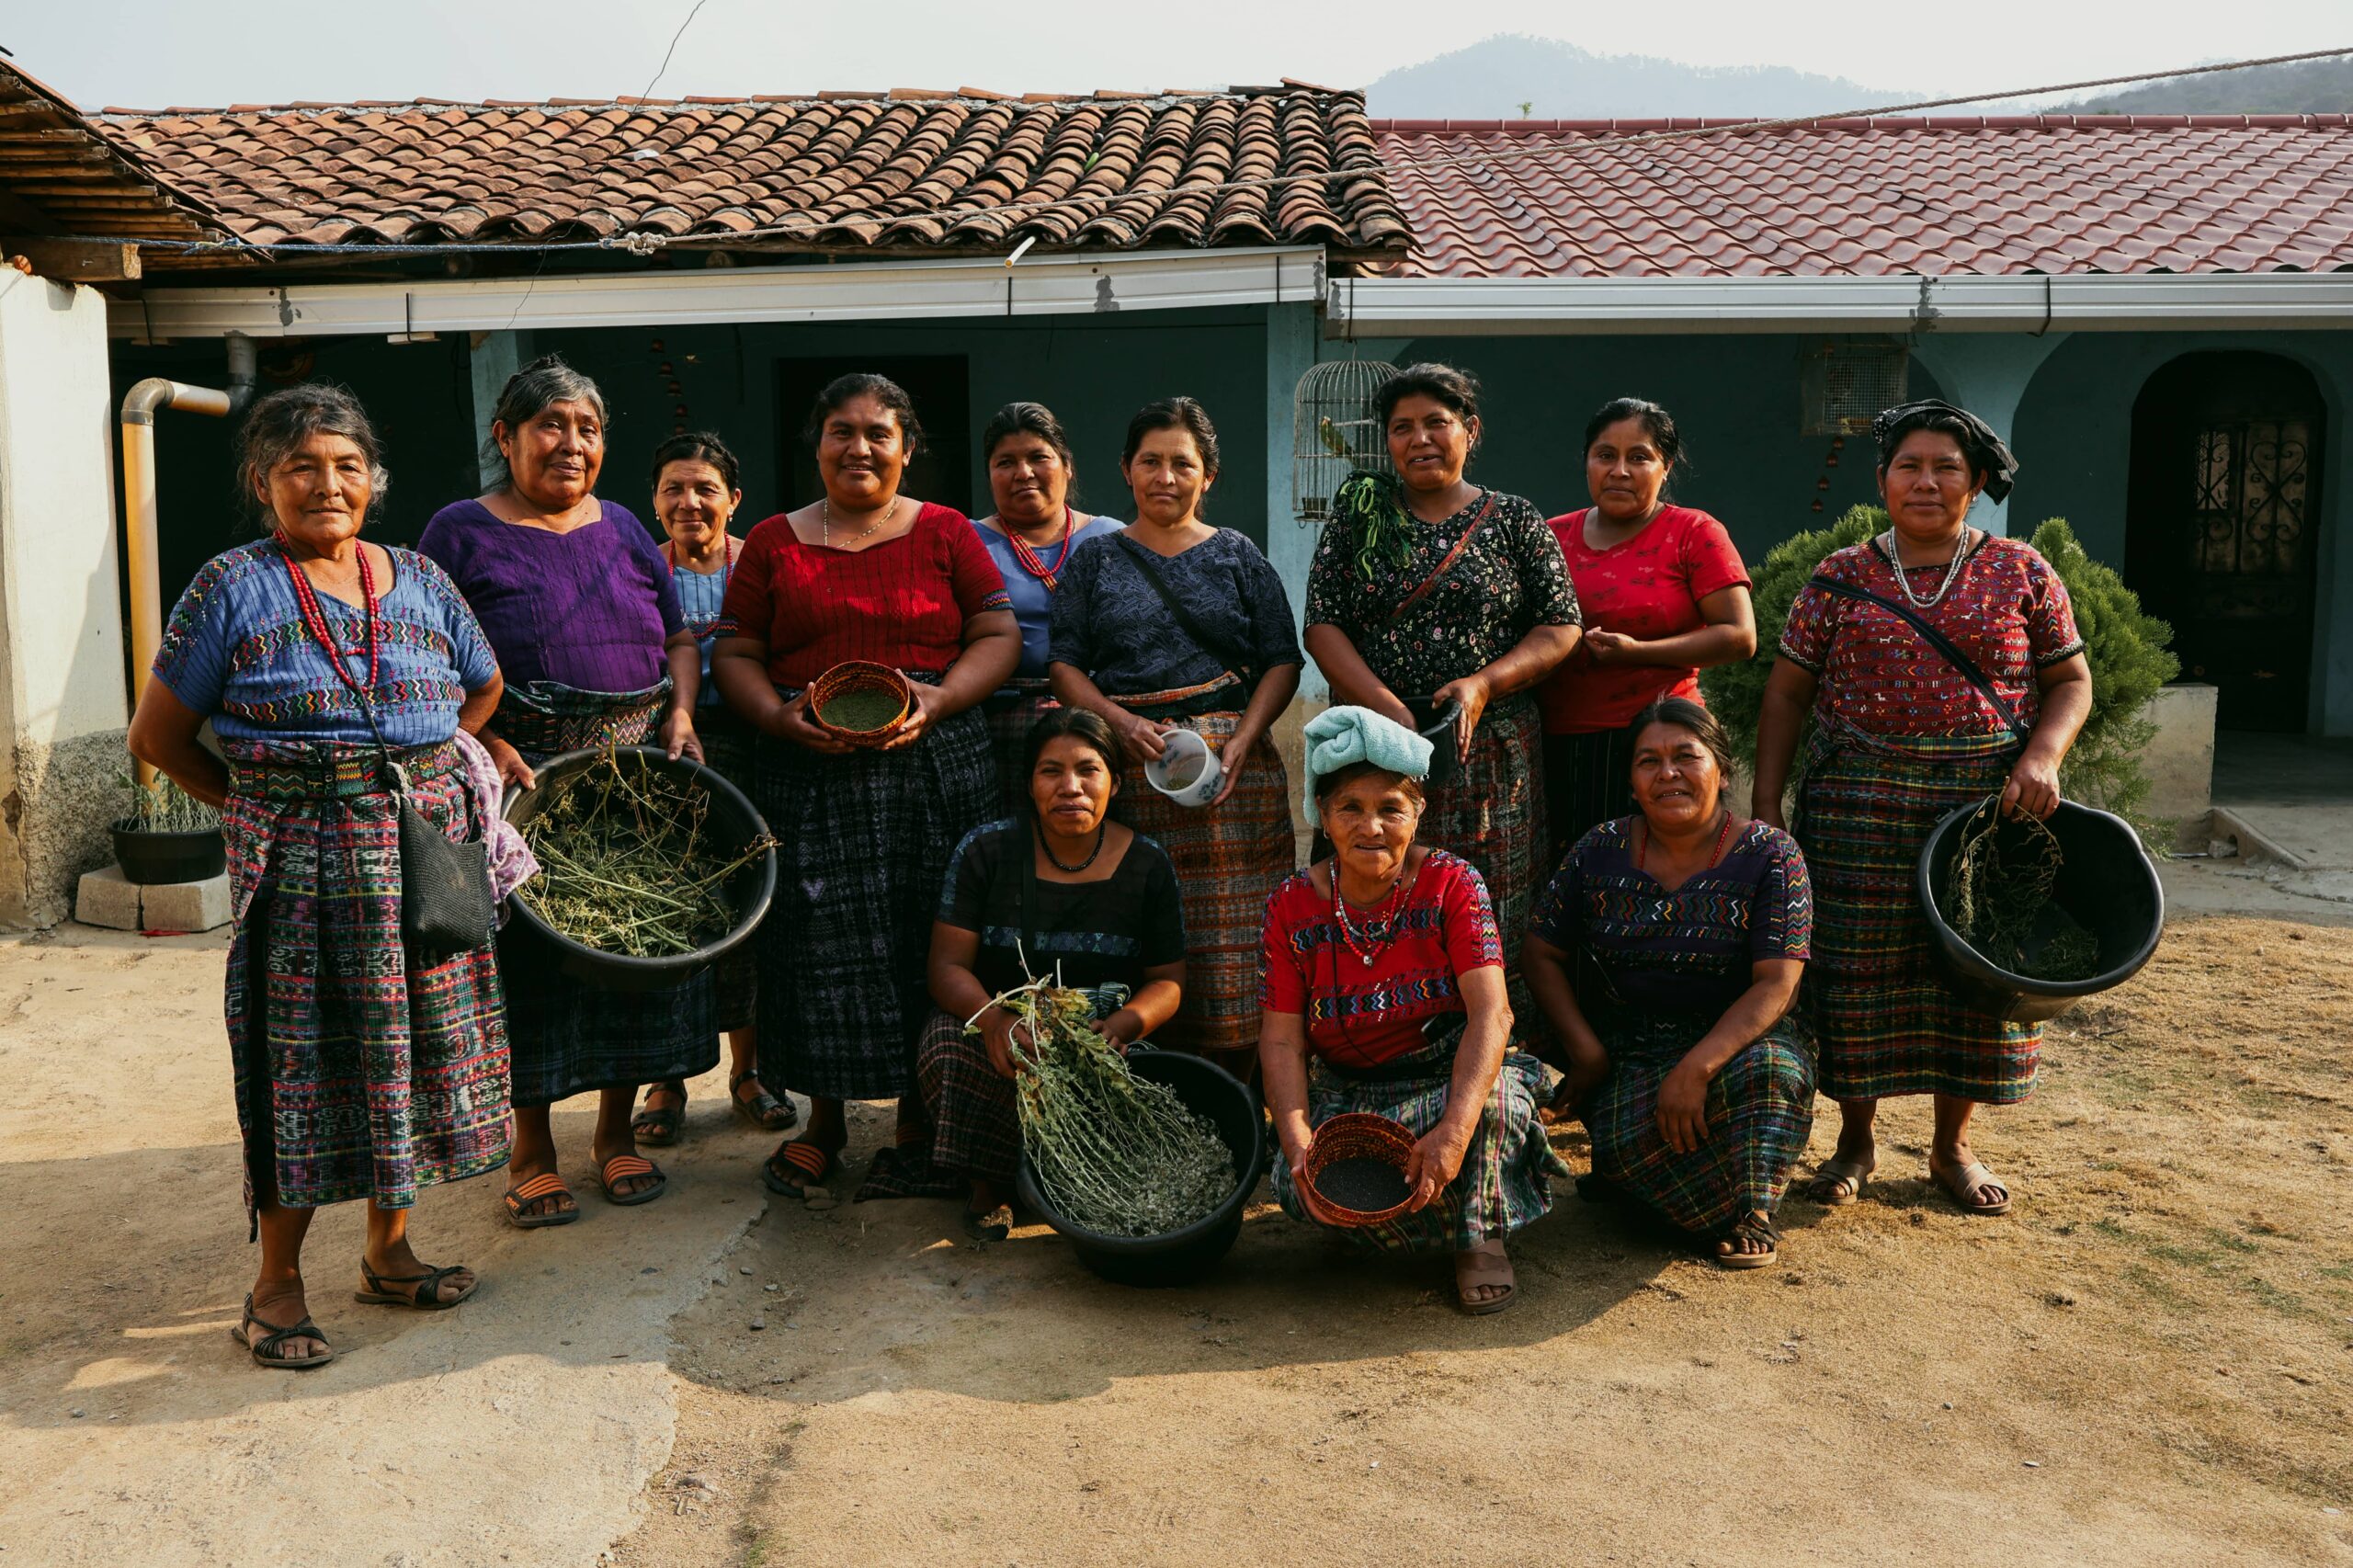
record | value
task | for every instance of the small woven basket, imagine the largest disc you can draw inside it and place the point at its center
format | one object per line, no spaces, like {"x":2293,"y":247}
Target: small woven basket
{"x":1357,"y":1135}
{"x":856,"y":675}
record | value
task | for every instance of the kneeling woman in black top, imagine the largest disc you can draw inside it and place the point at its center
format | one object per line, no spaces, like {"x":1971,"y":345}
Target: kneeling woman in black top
{"x":1063,"y":890}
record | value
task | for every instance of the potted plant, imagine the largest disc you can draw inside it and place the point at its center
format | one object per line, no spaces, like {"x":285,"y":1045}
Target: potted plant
{"x":168,"y":837}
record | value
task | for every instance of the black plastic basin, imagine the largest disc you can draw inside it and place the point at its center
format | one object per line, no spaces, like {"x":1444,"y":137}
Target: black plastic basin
{"x":1180,"y":1256}
{"x":733,"y":824}
{"x":2107,"y":885}
{"x":1435,"y":721}
{"x":151,"y":860}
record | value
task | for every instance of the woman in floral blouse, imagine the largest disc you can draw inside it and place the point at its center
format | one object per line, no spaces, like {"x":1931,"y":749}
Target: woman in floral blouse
{"x":1428,"y":588}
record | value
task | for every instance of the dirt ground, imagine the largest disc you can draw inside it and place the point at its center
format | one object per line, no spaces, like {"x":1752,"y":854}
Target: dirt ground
{"x":2150,"y":1362}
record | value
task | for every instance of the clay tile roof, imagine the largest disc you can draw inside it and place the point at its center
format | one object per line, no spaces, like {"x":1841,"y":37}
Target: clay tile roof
{"x":61,"y":173}
{"x":910,"y":170}
{"x":1988,"y":195}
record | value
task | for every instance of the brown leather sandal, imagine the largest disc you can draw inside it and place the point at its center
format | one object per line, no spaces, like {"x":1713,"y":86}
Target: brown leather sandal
{"x":422,"y":1292}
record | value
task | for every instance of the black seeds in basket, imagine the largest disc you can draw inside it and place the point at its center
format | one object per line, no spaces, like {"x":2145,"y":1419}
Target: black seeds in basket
{"x":1363,"y":1186}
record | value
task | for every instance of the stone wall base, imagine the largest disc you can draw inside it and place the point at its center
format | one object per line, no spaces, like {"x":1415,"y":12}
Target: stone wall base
{"x":55,"y":807}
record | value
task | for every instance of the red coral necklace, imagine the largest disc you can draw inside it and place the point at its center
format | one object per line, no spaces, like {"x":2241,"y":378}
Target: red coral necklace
{"x":307,"y":598}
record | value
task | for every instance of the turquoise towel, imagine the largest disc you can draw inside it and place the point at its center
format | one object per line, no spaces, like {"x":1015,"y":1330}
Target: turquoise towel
{"x":1338,"y":737}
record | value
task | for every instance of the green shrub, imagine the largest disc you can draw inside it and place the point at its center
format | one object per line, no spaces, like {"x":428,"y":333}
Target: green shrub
{"x":2125,"y":646}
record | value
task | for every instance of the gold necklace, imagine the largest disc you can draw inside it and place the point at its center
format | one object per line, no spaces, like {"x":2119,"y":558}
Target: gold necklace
{"x":825,"y":522}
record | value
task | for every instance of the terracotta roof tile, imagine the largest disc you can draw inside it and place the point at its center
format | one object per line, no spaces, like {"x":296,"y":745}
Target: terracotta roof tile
{"x":2016,"y":194}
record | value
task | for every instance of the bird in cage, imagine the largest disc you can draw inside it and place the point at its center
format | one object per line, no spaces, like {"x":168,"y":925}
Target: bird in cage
{"x":1333,"y":442}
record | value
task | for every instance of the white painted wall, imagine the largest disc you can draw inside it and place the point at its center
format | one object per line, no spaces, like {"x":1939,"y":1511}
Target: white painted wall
{"x":61,"y":701}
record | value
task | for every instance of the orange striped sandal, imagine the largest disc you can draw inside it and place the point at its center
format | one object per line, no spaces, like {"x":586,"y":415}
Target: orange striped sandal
{"x":621,"y":1168}
{"x":804,"y":1166}
{"x":519,"y":1198}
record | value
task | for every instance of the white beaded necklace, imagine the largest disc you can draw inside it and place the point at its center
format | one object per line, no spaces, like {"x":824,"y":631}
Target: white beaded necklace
{"x":1904,"y":579}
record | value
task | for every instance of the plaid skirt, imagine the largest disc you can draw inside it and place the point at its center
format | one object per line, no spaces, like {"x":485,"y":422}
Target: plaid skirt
{"x":964,"y":1126}
{"x":727,"y":751}
{"x":1228,"y":858}
{"x":867,"y":838}
{"x":1588,"y":781}
{"x":1506,"y":1183}
{"x":361,"y":1072}
{"x":570,"y":1036}
{"x":1492,"y":813}
{"x":1759,"y":1110}
{"x":1888,"y":1021}
{"x":1010,"y":714}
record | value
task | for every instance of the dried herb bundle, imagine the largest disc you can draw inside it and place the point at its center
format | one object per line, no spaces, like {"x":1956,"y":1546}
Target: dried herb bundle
{"x":2002,"y":905}
{"x":627,"y":865}
{"x":164,"y":807}
{"x":1116,"y":1154}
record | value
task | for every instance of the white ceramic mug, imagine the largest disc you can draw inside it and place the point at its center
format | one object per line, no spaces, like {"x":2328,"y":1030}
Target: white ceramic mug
{"x":1180,"y":748}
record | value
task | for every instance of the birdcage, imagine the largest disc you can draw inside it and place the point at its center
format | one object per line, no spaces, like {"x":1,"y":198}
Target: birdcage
{"x":1843,"y":382}
{"x":1334,"y":432}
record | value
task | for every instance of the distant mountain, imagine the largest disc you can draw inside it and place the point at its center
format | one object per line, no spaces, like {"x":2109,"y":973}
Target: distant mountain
{"x":2311,"y":87}
{"x":1494,"y":78}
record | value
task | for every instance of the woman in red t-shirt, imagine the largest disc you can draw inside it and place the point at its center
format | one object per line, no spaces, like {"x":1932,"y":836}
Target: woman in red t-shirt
{"x":862,"y":573}
{"x":1664,"y":596}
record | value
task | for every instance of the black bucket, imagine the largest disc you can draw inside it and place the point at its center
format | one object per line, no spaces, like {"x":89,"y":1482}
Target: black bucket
{"x":733,"y":823}
{"x":2106,"y":884}
{"x":1435,"y":721}
{"x":1180,"y":1256}
{"x":154,"y":859}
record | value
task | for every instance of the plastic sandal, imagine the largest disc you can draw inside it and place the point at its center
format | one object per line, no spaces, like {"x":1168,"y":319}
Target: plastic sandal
{"x":1750,"y":1227}
{"x":1479,"y":1270}
{"x":659,"y":1125}
{"x":619,"y":1168}
{"x":806,"y":1160}
{"x":764,"y":1110}
{"x":1838,"y":1183}
{"x":1964,"y":1182}
{"x":422,"y":1292}
{"x":994,"y":1225}
{"x":265,"y":1350}
{"x":548,"y":1184}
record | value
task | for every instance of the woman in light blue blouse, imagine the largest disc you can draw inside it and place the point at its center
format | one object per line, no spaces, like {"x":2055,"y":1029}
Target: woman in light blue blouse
{"x":697,"y":486}
{"x":1031,"y":537}
{"x":365,"y":1069}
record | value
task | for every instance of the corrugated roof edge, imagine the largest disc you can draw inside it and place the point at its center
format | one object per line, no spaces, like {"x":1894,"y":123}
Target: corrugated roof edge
{"x":1892,"y":122}
{"x":899,"y":95}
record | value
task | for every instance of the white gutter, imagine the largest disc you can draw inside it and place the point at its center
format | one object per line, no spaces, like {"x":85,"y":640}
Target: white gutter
{"x":1406,"y":307}
{"x":976,"y":287}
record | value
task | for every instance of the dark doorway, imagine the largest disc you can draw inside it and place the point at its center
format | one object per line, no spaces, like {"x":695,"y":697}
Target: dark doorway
{"x":2226,"y":484}
{"x":942,"y":472}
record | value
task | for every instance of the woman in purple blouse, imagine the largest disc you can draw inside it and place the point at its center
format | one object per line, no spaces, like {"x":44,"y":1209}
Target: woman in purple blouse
{"x":578,"y":602}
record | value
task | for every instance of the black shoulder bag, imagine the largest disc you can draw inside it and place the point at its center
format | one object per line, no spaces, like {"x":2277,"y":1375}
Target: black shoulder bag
{"x":1235,"y":659}
{"x":1945,"y":646}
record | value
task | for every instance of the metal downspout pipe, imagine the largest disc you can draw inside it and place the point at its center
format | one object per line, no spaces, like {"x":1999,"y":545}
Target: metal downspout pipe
{"x":138,"y":407}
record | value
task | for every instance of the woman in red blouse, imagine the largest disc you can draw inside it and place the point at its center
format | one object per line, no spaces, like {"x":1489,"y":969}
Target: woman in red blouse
{"x":1381,"y":989}
{"x":1665,"y":596}
{"x":862,"y":573}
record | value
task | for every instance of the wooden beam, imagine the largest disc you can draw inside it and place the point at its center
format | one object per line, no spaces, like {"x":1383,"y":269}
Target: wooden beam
{"x":80,"y":261}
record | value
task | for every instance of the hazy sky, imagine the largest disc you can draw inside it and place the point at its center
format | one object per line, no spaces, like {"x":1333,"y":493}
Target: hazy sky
{"x":149,"y":53}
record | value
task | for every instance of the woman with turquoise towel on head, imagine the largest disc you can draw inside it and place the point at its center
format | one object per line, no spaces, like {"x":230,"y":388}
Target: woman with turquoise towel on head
{"x":1382,"y":991}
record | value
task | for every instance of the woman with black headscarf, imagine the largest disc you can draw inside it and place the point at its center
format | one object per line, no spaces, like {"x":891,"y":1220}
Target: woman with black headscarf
{"x":1904,"y":731}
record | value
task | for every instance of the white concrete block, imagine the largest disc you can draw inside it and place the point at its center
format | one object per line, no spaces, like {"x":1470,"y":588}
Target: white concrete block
{"x":108,"y":899}
{"x":185,"y":906}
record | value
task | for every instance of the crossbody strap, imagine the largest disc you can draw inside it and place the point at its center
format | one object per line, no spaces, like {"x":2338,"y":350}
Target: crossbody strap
{"x":1149,"y":565}
{"x":1944,"y":645}
{"x":1486,"y":508}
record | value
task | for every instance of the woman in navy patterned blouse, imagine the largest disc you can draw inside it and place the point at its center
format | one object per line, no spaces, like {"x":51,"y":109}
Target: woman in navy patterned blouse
{"x":1692,"y":927}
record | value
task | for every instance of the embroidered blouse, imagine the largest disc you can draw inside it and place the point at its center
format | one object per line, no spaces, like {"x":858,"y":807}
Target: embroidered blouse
{"x":1687,"y":951}
{"x":1033,"y":602}
{"x":1509,"y":580}
{"x":1110,"y":622}
{"x":2007,"y":610}
{"x":1097,"y":934}
{"x":1360,"y":1014}
{"x":700,"y":596}
{"x":236,"y":651}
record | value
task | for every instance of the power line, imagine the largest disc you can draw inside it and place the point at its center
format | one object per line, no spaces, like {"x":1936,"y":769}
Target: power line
{"x":674,"y":46}
{"x":644,"y":244}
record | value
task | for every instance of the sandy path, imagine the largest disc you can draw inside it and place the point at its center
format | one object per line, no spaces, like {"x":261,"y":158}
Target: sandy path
{"x":2149,"y":1364}
{"x":519,"y":1428}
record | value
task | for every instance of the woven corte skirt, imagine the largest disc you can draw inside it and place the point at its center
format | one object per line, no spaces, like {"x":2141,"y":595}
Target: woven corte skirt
{"x":361,"y":1072}
{"x":1759,"y":1110}
{"x":1229,"y":859}
{"x":727,"y":751}
{"x":1588,"y":781}
{"x":1492,"y":813}
{"x":1506,"y":1183}
{"x":570,"y":1036}
{"x":1887,"y":1020}
{"x":865,"y":842}
{"x":964,"y":1125}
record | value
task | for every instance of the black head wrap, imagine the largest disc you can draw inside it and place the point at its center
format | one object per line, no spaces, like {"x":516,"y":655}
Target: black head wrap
{"x":1983,"y":448}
